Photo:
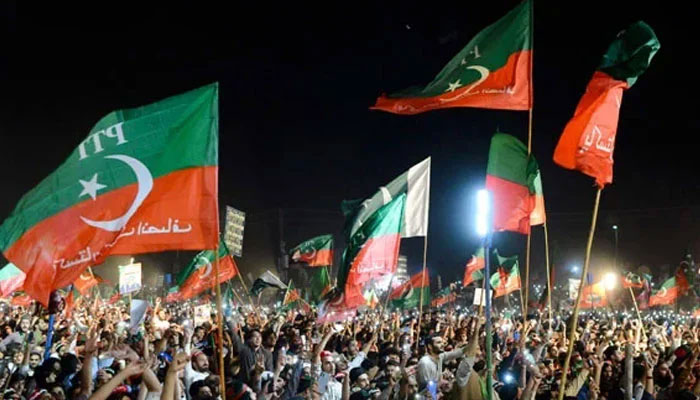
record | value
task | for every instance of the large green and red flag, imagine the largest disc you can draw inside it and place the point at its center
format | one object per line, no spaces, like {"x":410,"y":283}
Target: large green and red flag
{"x":513,"y":178}
{"x":408,"y":295}
{"x":374,"y":228}
{"x":316,"y":252}
{"x":472,"y":271}
{"x":198,"y":277}
{"x":443,"y":297}
{"x":492,"y":71}
{"x":11,"y":280}
{"x":507,"y":279}
{"x":588,"y":140}
{"x":594,"y":296}
{"x":143,"y":180}
{"x":668,"y":294}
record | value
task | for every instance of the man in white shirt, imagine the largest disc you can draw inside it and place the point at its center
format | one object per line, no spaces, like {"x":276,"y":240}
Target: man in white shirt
{"x":430,"y":365}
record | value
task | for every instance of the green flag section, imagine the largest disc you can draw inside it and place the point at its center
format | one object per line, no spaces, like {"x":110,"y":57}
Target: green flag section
{"x":588,"y":140}
{"x":408,"y":295}
{"x":200,"y":274}
{"x":631,"y":280}
{"x":320,"y":284}
{"x":316,"y":252}
{"x":11,"y":280}
{"x":492,"y":71}
{"x":668,"y":294}
{"x":414,"y":183}
{"x":513,"y":178}
{"x":266,"y":280}
{"x":122,"y":191}
{"x":594,"y":296}
{"x":507,"y":279}
{"x":373,"y":251}
{"x":472,"y":271}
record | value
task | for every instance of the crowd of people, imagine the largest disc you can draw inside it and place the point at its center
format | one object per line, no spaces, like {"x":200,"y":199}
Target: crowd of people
{"x":97,"y":354}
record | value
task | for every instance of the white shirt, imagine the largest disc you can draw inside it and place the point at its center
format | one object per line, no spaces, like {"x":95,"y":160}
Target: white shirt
{"x":427,"y":370}
{"x":192,"y":376}
{"x":357,"y":361}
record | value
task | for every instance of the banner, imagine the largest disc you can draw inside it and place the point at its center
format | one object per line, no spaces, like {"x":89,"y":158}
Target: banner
{"x":202,"y":314}
{"x":480,"y":296}
{"x":573,"y":288}
{"x":233,"y":231}
{"x":129,"y":278}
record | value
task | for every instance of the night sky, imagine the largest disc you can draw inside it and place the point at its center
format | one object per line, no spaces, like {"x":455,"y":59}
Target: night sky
{"x":296,"y":133}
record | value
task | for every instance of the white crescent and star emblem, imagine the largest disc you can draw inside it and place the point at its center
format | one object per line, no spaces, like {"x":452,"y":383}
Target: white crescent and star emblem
{"x":85,"y":277}
{"x":145,"y":185}
{"x":206,"y":263}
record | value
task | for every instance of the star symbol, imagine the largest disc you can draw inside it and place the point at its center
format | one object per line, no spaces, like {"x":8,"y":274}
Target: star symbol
{"x":91,"y":187}
{"x":453,"y":86}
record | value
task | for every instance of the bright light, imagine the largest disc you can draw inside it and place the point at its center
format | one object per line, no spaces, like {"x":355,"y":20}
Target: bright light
{"x":575,"y":269}
{"x":610,"y":280}
{"x":614,"y":227}
{"x":483,"y":212}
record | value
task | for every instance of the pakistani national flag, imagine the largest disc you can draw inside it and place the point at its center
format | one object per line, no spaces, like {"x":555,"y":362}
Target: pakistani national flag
{"x":316,"y":252}
{"x":408,"y":295}
{"x":588,"y":140}
{"x":266,"y":280}
{"x":200,"y":274}
{"x":473,"y":269}
{"x":513,"y":178}
{"x":143,"y":180}
{"x":11,"y":280}
{"x":374,"y":228}
{"x":492,"y":71}
{"x":507,"y":278}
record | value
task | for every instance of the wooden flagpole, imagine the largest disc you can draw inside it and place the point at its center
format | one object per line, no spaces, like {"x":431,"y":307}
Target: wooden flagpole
{"x":549,"y":276}
{"x":529,"y":151}
{"x":422,"y":278}
{"x":219,"y":323}
{"x":574,"y":317}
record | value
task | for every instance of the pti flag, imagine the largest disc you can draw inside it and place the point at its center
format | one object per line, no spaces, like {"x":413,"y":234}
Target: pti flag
{"x":588,"y":140}
{"x":472,"y":271}
{"x":121,"y":191}
{"x":315,"y":252}
{"x":492,"y":71}
{"x":11,"y":280}
{"x":513,"y":178}
{"x":198,"y":277}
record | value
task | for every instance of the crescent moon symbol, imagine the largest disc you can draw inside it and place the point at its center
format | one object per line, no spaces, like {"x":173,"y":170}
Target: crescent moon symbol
{"x":207,"y":263}
{"x":83,"y":277}
{"x":144,"y":181}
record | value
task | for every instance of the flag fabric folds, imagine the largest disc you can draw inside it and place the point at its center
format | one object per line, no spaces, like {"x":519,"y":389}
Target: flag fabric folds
{"x":121,"y":192}
{"x":200,"y":274}
{"x":315,"y":252}
{"x":266,"y":280}
{"x":588,"y":140}
{"x":492,"y":71}
{"x":513,"y":178}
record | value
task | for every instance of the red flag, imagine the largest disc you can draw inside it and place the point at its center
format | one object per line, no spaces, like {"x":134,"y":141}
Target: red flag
{"x":588,"y":140}
{"x":86,"y":281}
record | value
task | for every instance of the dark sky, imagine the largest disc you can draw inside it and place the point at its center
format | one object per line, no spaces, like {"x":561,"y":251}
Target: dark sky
{"x":297,"y":81}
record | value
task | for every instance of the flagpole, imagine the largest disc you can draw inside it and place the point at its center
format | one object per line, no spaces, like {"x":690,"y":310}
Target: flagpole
{"x":639,"y":316}
{"x":549,"y":277}
{"x":219,"y":323}
{"x":488,"y":328}
{"x":422,"y":288}
{"x":529,"y":151}
{"x":388,"y":294}
{"x":574,"y":317}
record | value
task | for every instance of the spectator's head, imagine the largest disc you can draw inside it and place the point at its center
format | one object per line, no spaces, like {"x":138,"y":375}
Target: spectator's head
{"x":435,"y":344}
{"x":269,"y":338}
{"x":353,"y":348}
{"x":199,"y":390}
{"x":35,"y":359}
{"x":200,"y":362}
{"x":254,"y":338}
{"x":359,"y":378}
{"x":327,"y":362}
{"x":199,"y":333}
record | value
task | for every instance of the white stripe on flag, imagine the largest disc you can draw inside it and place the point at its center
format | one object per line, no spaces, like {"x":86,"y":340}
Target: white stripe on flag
{"x":418,"y":199}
